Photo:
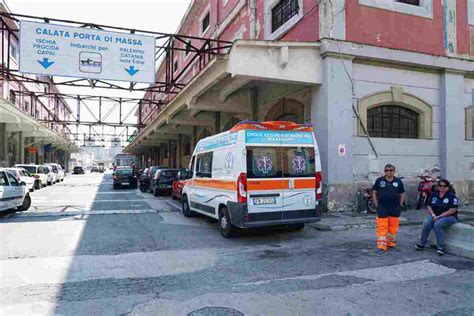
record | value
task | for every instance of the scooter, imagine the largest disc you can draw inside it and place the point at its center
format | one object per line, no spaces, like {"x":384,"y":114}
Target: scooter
{"x":425,"y":188}
{"x":144,"y":183}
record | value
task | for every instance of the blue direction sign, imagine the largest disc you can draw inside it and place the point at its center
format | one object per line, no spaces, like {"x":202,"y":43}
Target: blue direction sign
{"x":51,"y":49}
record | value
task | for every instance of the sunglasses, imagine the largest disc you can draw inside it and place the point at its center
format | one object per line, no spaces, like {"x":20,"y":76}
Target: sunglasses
{"x":442,"y":186}
{"x":389,"y":170}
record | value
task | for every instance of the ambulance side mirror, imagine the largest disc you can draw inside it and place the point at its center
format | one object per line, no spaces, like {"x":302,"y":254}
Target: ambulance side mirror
{"x":187,"y":174}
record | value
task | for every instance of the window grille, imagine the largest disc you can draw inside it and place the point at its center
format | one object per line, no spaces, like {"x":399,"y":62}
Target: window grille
{"x":283,"y":11}
{"x":392,"y":121}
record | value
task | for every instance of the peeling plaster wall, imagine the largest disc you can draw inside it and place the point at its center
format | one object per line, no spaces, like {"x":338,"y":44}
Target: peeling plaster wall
{"x":409,"y":155}
{"x":391,"y":29}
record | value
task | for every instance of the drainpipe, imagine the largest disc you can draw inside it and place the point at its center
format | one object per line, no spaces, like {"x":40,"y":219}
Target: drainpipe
{"x":252,"y":19}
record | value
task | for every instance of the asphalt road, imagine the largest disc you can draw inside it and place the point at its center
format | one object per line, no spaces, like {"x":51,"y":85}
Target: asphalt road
{"x":85,"y":249}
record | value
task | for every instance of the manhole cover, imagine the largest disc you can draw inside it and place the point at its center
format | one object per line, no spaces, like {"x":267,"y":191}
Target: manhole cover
{"x":216,"y":311}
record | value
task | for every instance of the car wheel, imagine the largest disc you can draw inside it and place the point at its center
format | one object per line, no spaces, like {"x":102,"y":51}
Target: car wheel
{"x":26,"y":204}
{"x":226,"y":228}
{"x":296,"y":227}
{"x":186,"y":209}
{"x":37,"y":185}
{"x":156,"y":192}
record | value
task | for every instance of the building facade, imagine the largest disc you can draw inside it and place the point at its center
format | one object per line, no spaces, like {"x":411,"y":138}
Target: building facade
{"x":23,"y":138}
{"x":382,"y":81}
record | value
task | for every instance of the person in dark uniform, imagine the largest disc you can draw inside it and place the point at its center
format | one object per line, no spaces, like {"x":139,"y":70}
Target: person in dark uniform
{"x":443,"y":209}
{"x":388,"y":196}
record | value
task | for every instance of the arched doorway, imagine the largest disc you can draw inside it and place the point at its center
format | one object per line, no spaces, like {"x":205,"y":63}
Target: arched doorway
{"x":287,"y":110}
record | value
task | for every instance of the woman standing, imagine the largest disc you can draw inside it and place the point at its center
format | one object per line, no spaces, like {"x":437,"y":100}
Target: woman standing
{"x":443,"y":208}
{"x":388,"y":195}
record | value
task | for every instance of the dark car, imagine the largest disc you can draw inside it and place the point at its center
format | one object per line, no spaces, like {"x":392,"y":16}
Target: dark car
{"x":150,"y":175}
{"x":125,"y":178}
{"x":163,"y":180}
{"x":178,"y":184}
{"x":95,"y":169}
{"x":78,"y":170}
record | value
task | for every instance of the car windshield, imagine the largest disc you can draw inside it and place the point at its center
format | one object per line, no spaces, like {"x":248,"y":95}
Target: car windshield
{"x":124,"y":172}
{"x":168,"y":173}
{"x":30,"y":169}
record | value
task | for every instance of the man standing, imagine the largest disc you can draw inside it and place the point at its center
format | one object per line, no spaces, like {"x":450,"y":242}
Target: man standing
{"x":388,"y":196}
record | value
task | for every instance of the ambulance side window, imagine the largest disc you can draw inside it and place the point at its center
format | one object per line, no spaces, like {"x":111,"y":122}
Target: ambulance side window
{"x":204,"y":165}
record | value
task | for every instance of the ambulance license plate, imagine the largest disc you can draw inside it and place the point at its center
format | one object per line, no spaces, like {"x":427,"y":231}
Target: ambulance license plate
{"x":264,"y":200}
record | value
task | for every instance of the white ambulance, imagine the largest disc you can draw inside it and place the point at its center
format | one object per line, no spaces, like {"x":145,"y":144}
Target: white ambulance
{"x":256,"y":174}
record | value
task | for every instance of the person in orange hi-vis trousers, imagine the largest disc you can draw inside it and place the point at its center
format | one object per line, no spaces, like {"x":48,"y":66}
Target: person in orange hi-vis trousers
{"x":388,"y":196}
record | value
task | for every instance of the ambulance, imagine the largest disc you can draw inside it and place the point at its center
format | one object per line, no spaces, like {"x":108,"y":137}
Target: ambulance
{"x":256,"y":174}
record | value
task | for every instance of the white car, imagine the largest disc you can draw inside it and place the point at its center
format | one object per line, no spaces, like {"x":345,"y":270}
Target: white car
{"x":13,"y":195}
{"x":58,"y":170}
{"x":39,"y":172}
{"x":24,"y":176}
{"x":52,"y":177}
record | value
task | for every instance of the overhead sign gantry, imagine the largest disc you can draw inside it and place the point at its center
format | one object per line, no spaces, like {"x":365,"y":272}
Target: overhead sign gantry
{"x":88,"y":55}
{"x":52,"y":49}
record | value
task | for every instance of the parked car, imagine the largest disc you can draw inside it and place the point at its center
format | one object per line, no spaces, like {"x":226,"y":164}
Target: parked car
{"x":37,"y":171}
{"x":94,"y":169}
{"x":163,"y":180}
{"x":257,"y":174}
{"x":151,"y":175}
{"x":13,"y":195}
{"x":23,"y":176}
{"x":58,"y":170}
{"x":52,"y":177}
{"x":125,"y":177}
{"x":78,"y":170}
{"x":177,"y":186}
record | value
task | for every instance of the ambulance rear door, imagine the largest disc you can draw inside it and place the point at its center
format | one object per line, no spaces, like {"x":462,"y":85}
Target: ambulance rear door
{"x":299,"y":187}
{"x":264,"y":176}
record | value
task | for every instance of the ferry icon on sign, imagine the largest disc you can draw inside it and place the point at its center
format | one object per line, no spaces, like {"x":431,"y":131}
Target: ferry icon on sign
{"x":90,"y":62}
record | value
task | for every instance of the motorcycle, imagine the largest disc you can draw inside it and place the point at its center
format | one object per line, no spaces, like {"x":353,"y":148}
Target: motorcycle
{"x":145,"y":183}
{"x":425,"y":188}
{"x":370,"y":204}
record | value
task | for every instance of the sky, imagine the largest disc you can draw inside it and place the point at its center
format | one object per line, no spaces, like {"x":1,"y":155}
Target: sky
{"x":152,"y":15}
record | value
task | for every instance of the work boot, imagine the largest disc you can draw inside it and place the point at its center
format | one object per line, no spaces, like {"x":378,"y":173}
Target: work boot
{"x":379,"y":251}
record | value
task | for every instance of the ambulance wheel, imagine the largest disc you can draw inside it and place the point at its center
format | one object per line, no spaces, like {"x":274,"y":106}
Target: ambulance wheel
{"x":226,"y":228}
{"x":296,"y":227}
{"x":186,"y":209}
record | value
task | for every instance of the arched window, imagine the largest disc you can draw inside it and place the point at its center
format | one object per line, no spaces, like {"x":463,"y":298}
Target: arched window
{"x":395,"y":114}
{"x":392,"y":121}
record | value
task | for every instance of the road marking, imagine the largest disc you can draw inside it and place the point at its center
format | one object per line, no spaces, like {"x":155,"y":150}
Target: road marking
{"x":85,"y":212}
{"x":59,"y":270}
{"x":397,"y":273}
{"x":93,"y":201}
{"x":174,"y":205}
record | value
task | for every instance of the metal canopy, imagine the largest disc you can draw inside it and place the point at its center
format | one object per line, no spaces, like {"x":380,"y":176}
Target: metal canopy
{"x":199,"y":52}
